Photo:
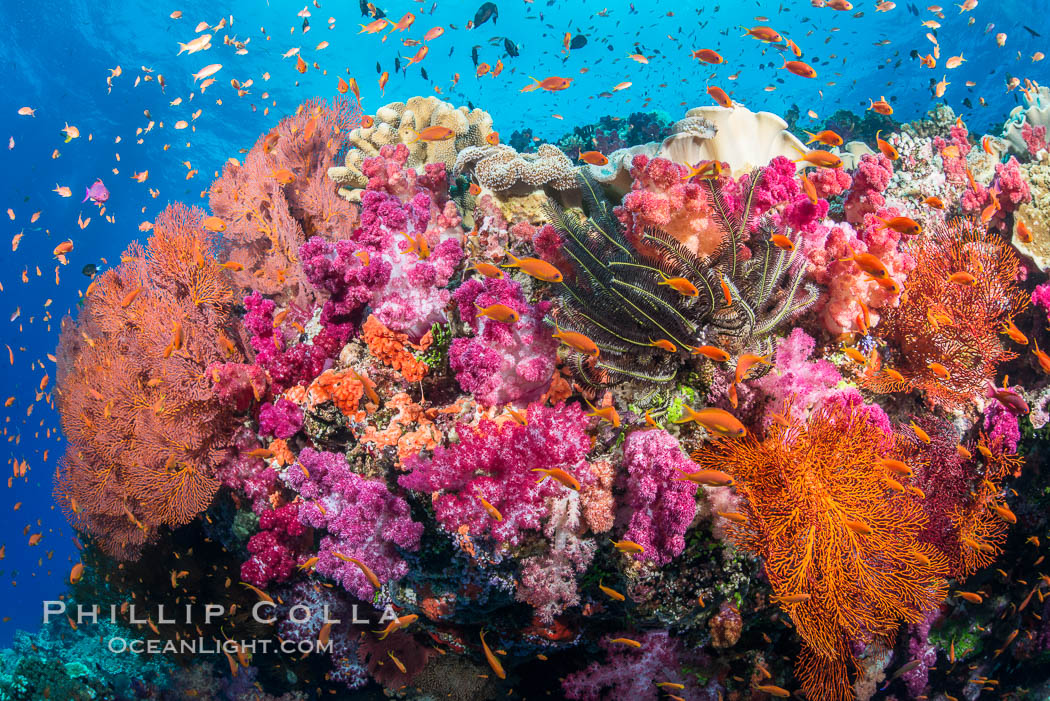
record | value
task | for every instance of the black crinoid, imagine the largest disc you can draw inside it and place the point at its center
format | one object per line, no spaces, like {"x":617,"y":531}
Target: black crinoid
{"x":618,"y":295}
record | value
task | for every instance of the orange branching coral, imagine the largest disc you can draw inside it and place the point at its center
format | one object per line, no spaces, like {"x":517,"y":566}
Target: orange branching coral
{"x":145,"y":430}
{"x":840,"y":547}
{"x":281,"y":196}
{"x":946,"y":329}
{"x":390,"y":348}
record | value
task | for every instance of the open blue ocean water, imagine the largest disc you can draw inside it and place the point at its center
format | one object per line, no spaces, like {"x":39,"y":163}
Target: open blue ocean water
{"x":99,"y":66}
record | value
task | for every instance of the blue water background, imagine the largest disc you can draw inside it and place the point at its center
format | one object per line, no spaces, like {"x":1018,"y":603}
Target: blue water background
{"x":56,"y":57}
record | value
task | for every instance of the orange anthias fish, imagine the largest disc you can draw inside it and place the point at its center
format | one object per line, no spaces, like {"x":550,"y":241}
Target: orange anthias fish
{"x":880,"y":106}
{"x":767,"y":34}
{"x":434,"y":133}
{"x":902,"y":225}
{"x":559,"y":475}
{"x":711,"y":478}
{"x":534,"y":267}
{"x":886,"y":147}
{"x":708,"y":56}
{"x":869,"y":263}
{"x":489,"y":508}
{"x":745,"y":362}
{"x":800,"y":68}
{"x":551,"y":84}
{"x":498,"y":312}
{"x":719,"y":95}
{"x":820,"y":159}
{"x":494,"y":663}
{"x":680,"y":285}
{"x":703,"y":170}
{"x":716,"y":354}
{"x":826,"y":137}
{"x":716,"y":420}
{"x":576,"y":341}
{"x":607,"y":413}
{"x":594,"y":158}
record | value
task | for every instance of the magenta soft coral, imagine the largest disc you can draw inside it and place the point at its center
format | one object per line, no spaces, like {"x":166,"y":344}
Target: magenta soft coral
{"x":661,"y":506}
{"x":497,"y":463}
{"x":274,"y":547}
{"x":503,"y":362}
{"x":1010,"y":190}
{"x":361,"y":517}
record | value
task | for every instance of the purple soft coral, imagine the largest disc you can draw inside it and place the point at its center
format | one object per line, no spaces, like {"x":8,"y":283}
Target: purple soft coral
{"x":505,"y":362}
{"x":363,"y":520}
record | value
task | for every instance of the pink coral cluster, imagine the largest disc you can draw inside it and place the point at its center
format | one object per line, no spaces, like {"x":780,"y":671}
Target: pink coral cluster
{"x":274,"y":548}
{"x":777,"y":189}
{"x":870,"y":180}
{"x":1034,"y":138}
{"x":660,"y":198}
{"x":797,"y":380}
{"x":1008,"y":188}
{"x":661,"y":505}
{"x":505,"y":362}
{"x":498,"y":463}
{"x":829,"y":249}
{"x":415,"y":227}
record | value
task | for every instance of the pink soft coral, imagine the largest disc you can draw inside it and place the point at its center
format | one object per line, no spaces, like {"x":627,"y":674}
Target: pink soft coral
{"x":504,"y":362}
{"x":661,"y":199}
{"x":497,"y":463}
{"x":870,"y":180}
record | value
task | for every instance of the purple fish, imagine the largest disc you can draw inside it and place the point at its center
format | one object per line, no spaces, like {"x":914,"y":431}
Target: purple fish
{"x":97,"y":193}
{"x":1013,"y":401}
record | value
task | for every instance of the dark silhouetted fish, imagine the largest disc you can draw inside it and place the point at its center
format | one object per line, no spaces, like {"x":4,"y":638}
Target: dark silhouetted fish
{"x":89,"y":270}
{"x":578,"y":42}
{"x":1031,"y":31}
{"x":486,"y":12}
{"x":510,"y":46}
{"x":474,"y":54}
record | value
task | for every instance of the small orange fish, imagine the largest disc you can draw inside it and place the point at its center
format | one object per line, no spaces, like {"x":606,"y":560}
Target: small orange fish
{"x":576,"y":341}
{"x":869,"y":263}
{"x":826,"y":137}
{"x":935,"y":202}
{"x":559,"y":475}
{"x":214,"y":224}
{"x":897,"y":466}
{"x":886,"y":147}
{"x":498,"y":312}
{"x":626,"y":641}
{"x":474,"y":189}
{"x":716,"y":354}
{"x":704,"y":170}
{"x":707,"y":56}
{"x":855,"y":355}
{"x":939,"y":370}
{"x":612,"y":593}
{"x":488,"y":270}
{"x":745,"y":362}
{"x":766,"y":34}
{"x":284,"y":176}
{"x":781,"y":241}
{"x":858,"y":527}
{"x":664,"y":344}
{"x":607,"y":413}
{"x":902,"y":225}
{"x":820,"y":159}
{"x":627,"y":546}
{"x":880,"y":106}
{"x":800,"y":68}
{"x":535,"y":267}
{"x":492,"y":139}
{"x":492,"y":510}
{"x":808,"y":187}
{"x":970,"y":596}
{"x":711,"y":478}
{"x":431,"y":134}
{"x":716,"y":420}
{"x":595,"y":158}
{"x":551,"y":84}
{"x":773,"y":690}
{"x":922,"y":435}
{"x":1042,"y":357}
{"x":680,"y":285}
{"x":962,"y":278}
{"x":719,"y":95}
{"x":1011,"y":330}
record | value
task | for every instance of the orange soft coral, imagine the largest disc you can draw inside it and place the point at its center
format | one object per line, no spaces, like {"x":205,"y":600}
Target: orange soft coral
{"x":410,"y":431}
{"x":390,"y":348}
{"x":342,"y":388}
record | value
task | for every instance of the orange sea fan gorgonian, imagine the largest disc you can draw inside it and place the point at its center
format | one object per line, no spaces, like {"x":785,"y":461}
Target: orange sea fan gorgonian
{"x":144,"y":427}
{"x":840,"y":546}
{"x":963,"y":289}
